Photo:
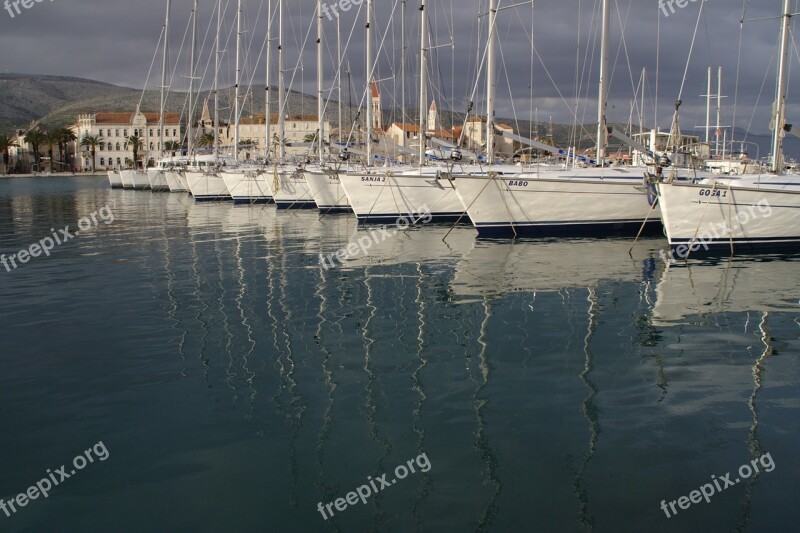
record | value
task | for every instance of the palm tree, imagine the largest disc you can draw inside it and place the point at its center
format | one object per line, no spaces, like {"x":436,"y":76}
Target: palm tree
{"x":91,"y":142}
{"x":136,"y":143}
{"x":5,"y":145}
{"x":172,"y":146}
{"x":65,"y":137}
{"x":36,"y":138}
{"x":207,"y":140}
{"x":51,"y":139}
{"x":310,"y":138}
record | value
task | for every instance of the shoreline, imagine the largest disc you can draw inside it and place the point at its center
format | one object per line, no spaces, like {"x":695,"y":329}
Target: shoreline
{"x":49,"y":175}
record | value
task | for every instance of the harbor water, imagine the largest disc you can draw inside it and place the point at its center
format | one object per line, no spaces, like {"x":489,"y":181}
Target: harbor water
{"x":227,"y":381}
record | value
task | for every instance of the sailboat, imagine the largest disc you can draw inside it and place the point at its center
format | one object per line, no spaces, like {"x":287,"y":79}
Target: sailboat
{"x":115,"y":179}
{"x":380,"y":195}
{"x":323,"y":181}
{"x":203,"y":178}
{"x":249,"y":184}
{"x":173,"y":168}
{"x":572,"y":201}
{"x":743,"y":212}
{"x":289,"y":187}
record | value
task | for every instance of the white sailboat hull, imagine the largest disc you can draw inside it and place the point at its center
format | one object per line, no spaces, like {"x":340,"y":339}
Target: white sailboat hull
{"x":207,"y":186}
{"x":248,"y":187}
{"x":135,"y":179}
{"x":559,"y":204}
{"x":175,"y":181}
{"x":114,"y":179}
{"x":292,"y":191}
{"x":380,"y":197}
{"x":125,"y":178}
{"x":157,"y":179}
{"x":717,"y":217}
{"x":327,"y":191}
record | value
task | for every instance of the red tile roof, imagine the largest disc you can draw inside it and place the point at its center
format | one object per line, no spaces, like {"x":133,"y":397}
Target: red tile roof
{"x":126,"y":118}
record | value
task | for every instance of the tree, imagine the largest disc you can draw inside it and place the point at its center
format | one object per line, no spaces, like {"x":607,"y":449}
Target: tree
{"x":172,"y":146}
{"x":206,"y":140}
{"x":310,"y":138}
{"x":51,"y":139}
{"x":36,"y":138}
{"x":5,"y":145}
{"x":136,"y":144}
{"x":91,"y":142}
{"x":65,"y":136}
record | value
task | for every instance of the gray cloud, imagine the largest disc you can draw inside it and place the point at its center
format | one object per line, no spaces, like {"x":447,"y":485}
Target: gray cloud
{"x":115,"y":40}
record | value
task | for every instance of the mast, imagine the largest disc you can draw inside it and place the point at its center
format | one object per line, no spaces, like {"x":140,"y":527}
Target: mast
{"x":423,"y":80}
{"x":236,"y":83}
{"x":267,"y":94}
{"x":320,"y":124}
{"x":491,"y":81}
{"x":403,"y":68}
{"x":369,"y":82}
{"x":189,"y":126}
{"x":339,"y":72}
{"x":216,"y":82}
{"x":602,"y":140}
{"x":163,"y":82}
{"x":708,"y":109}
{"x":641,"y":108}
{"x":281,"y":95}
{"x":779,"y":117}
{"x":719,"y":110}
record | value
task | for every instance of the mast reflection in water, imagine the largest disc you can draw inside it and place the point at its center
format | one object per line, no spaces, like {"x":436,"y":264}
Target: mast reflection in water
{"x":554,"y":385}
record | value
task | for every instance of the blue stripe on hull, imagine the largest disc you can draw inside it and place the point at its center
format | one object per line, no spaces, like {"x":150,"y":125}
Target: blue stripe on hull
{"x":740,"y":245}
{"x":212,"y":198}
{"x":332,"y":209}
{"x":587,"y":229}
{"x":300,"y":204}
{"x":392,"y":218}
{"x":248,"y":201}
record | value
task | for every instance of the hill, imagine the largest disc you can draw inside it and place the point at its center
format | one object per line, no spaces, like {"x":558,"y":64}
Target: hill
{"x":25,"y":98}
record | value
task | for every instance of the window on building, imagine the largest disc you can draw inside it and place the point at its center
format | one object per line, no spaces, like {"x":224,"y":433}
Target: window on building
{"x":116,"y":133}
{"x":117,"y":147}
{"x":151,"y":146}
{"x":102,"y":162}
{"x":102,"y":147}
{"x":151,"y":132}
{"x":124,"y":133}
{"x":119,"y":161}
{"x":174,"y":133}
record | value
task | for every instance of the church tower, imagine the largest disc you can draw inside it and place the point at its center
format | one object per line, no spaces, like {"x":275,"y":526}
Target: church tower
{"x":377,"y":112}
{"x":433,"y":118}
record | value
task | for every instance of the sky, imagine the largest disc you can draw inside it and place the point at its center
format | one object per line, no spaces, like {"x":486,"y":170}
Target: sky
{"x":548,"y":52}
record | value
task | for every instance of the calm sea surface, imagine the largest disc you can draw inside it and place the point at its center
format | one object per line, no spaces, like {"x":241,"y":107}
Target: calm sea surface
{"x":235,"y":384}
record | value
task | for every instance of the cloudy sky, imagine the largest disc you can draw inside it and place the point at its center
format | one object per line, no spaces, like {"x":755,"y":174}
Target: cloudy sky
{"x":552,"y":47}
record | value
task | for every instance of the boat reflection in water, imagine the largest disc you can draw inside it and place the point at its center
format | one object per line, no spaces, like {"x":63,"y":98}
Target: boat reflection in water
{"x":710,"y":287}
{"x":549,"y":382}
